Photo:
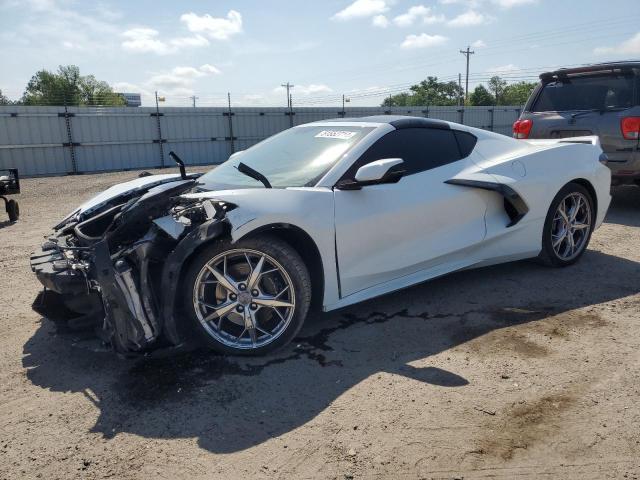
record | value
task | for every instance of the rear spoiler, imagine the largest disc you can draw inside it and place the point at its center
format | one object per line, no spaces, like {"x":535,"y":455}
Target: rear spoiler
{"x":586,"y":140}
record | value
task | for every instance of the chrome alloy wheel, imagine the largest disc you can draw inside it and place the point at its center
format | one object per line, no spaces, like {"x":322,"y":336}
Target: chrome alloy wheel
{"x":243,"y":298}
{"x":571,"y":226}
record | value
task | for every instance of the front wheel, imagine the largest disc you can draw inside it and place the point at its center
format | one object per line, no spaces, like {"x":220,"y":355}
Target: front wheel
{"x":568,"y":226}
{"x":247,"y":298}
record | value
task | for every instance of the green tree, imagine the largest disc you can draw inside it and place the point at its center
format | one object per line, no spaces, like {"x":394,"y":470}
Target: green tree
{"x":4,"y":100}
{"x":97,"y":92}
{"x":481,"y":96}
{"x":517,"y":93}
{"x":67,"y":85}
{"x":427,"y":92}
{"x":496,"y":87}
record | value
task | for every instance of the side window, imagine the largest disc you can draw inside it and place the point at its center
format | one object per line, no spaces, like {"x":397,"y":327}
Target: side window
{"x":420,"y":148}
{"x":466,"y":142}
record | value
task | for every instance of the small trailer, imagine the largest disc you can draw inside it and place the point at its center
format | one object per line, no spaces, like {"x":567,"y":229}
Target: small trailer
{"x":10,"y":185}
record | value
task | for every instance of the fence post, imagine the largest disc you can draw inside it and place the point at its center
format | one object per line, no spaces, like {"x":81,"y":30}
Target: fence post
{"x":491,"y":110}
{"x":159,"y":141}
{"x":426,"y":112}
{"x":230,"y":115}
{"x":72,"y":151}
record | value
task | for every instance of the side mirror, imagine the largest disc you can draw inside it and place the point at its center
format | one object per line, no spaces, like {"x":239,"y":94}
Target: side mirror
{"x":387,"y":170}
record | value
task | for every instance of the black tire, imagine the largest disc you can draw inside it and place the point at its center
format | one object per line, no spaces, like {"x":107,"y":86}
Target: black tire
{"x":13,"y":210}
{"x":280,"y":251}
{"x":548,"y":255}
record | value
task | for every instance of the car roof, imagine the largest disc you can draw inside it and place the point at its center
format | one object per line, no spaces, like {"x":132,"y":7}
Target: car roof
{"x":397,"y":121}
{"x":593,"y":68}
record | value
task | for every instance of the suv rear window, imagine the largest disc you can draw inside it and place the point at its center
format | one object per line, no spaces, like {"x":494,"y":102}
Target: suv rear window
{"x":587,"y":93}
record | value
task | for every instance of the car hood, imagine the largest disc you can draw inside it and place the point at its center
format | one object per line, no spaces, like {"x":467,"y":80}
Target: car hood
{"x":138,"y":184}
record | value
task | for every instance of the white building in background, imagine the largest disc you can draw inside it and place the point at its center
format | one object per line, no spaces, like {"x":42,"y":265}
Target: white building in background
{"x":132,"y":99}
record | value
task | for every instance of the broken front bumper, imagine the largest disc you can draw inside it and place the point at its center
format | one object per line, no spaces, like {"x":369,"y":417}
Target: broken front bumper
{"x":131,"y":295}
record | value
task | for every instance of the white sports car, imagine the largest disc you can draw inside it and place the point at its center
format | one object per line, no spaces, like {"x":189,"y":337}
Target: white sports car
{"x":329,"y":214}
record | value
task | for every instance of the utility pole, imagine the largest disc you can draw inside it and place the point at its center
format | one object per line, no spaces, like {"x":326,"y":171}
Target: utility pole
{"x":460,"y":89}
{"x":193,"y":99}
{"x":291,"y":110}
{"x":467,"y":53}
{"x":288,"y":86}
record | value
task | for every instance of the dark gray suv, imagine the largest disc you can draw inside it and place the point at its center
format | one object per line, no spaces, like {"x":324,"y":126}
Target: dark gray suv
{"x":601,"y":100}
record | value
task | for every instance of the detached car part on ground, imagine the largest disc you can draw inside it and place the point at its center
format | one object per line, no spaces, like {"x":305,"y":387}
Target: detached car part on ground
{"x":602,"y":100}
{"x":10,"y":185}
{"x":328,"y":214}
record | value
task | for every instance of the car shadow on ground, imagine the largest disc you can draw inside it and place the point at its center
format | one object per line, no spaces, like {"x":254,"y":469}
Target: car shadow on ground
{"x":625,"y":206}
{"x":231,"y":404}
{"x":6,"y":223}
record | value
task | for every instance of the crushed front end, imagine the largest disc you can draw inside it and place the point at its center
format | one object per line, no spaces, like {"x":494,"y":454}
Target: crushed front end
{"x":116,"y":265}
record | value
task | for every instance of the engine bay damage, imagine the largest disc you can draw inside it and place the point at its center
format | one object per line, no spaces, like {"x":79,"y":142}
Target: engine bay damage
{"x":116,"y":266}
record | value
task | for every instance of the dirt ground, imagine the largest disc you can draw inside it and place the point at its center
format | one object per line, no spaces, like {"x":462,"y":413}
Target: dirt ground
{"x":509,"y":371}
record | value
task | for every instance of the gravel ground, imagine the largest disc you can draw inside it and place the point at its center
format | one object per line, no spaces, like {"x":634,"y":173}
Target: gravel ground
{"x":509,"y":371}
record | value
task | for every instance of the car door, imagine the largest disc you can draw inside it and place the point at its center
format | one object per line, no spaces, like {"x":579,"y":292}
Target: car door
{"x":386,"y":231}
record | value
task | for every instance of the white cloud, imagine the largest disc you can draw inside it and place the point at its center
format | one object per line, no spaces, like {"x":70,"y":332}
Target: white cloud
{"x":179,"y":80}
{"x":416,"y":13}
{"x":126,"y":87}
{"x":430,"y":19}
{"x":468,"y":3}
{"x":478,"y":44}
{"x":478,"y":3}
{"x":50,"y":24}
{"x":195,"y":41}
{"x":310,"y":89}
{"x":145,"y":40}
{"x":210,"y":69}
{"x":362,"y":8}
{"x":380,"y":21}
{"x":188,"y":72}
{"x":470,"y":18}
{"x":513,"y":3}
{"x":630,"y":46}
{"x":423,"y":41}
{"x":215,"y":28}
{"x":501,"y":70}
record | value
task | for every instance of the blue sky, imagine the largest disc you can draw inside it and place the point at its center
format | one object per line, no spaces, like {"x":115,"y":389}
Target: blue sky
{"x":365,"y":49}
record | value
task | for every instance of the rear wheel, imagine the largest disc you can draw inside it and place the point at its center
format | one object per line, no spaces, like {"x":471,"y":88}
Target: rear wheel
{"x":247,"y":298}
{"x":568,"y":226}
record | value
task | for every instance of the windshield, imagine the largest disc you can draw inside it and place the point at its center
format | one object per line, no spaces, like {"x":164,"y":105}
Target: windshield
{"x":587,"y":93}
{"x":298,"y":157}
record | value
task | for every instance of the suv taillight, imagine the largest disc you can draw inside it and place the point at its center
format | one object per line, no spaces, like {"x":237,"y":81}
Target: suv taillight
{"x":630,"y":127}
{"x":522,"y":128}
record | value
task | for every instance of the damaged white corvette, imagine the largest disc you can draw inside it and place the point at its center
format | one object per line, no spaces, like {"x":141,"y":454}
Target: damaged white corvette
{"x":327,"y":214}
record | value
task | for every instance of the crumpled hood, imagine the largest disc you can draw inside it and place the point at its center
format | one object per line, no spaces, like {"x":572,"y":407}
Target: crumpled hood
{"x":142,"y":183}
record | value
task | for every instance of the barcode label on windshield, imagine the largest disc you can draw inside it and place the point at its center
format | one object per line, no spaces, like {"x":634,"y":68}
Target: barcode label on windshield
{"x":339,"y":134}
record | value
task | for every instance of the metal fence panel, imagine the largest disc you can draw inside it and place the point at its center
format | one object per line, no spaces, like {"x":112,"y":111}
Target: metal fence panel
{"x":54,"y":141}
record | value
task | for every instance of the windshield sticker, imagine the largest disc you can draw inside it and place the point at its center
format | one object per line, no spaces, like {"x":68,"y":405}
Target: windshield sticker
{"x":339,"y":134}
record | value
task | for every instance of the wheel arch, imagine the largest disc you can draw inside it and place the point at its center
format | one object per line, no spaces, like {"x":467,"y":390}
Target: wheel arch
{"x":589,"y":187}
